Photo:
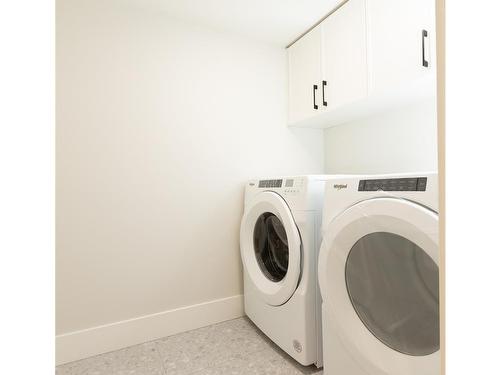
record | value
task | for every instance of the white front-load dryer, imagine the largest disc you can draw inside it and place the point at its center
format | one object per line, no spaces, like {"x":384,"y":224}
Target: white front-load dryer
{"x":378,"y":273}
{"x":279,"y":243}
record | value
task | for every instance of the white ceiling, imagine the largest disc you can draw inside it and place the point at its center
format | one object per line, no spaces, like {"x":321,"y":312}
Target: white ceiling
{"x":275,"y":21}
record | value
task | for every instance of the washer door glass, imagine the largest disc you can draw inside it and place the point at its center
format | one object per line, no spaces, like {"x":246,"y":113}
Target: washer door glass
{"x":271,"y":246}
{"x":393,"y":285}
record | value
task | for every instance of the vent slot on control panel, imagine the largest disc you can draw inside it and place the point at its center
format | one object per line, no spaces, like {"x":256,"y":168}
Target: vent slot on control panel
{"x":270,"y":183}
{"x":394,"y":184}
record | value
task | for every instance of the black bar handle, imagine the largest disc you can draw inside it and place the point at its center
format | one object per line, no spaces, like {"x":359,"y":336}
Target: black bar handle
{"x":315,"y":87}
{"x":324,"y":101}
{"x":424,"y":61}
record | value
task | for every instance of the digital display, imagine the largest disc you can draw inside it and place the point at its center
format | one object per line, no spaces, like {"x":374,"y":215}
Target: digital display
{"x":270,"y":183}
{"x":289,"y":183}
{"x":394,"y":184}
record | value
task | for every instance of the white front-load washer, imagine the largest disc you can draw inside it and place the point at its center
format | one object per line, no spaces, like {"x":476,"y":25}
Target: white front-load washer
{"x":279,"y":243}
{"x":378,"y":272}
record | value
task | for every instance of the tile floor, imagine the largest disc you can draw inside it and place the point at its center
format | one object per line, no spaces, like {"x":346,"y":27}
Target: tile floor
{"x":233,"y":347}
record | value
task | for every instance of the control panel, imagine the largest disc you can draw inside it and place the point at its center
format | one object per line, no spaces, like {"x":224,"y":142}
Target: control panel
{"x":270,"y":183}
{"x":394,"y":184}
{"x":288,"y":186}
{"x":293,"y":186}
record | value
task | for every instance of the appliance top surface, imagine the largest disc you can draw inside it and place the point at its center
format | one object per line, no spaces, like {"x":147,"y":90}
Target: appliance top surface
{"x":301,"y":192}
{"x":342,"y":192}
{"x":394,"y":183}
{"x":321,"y":177}
{"x":384,"y":175}
{"x":277,"y":182}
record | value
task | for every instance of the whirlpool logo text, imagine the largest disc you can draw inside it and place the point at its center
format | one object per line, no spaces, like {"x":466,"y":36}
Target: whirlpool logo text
{"x":340,"y":186}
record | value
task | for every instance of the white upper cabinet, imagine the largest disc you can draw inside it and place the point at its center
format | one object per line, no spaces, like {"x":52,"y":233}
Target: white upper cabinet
{"x":401,"y":34}
{"x":345,"y":70}
{"x":304,"y":72}
{"x":367,"y":56}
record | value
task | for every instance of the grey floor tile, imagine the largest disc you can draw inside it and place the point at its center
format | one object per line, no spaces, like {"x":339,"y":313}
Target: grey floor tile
{"x":234,"y":347}
{"x":262,"y":362}
{"x":137,"y":360}
{"x":209,"y":347}
{"x":241,"y":336}
{"x":265,"y":362}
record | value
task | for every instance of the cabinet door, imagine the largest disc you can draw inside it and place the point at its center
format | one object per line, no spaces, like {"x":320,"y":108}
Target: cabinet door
{"x":401,"y":35}
{"x":304,"y":71}
{"x":345,"y":68}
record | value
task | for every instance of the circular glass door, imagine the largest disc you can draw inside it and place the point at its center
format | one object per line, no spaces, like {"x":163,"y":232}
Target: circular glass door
{"x":271,"y":246}
{"x":393,"y":285}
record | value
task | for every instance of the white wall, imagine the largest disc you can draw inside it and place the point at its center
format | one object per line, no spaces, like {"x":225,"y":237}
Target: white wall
{"x":402,"y":140}
{"x":159,"y":124}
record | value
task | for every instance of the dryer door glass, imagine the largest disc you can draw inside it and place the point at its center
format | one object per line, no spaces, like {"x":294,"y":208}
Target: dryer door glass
{"x":393,"y":286}
{"x":271,"y":246}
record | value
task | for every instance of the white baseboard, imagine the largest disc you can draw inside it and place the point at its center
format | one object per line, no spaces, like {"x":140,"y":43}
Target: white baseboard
{"x":77,"y":345}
